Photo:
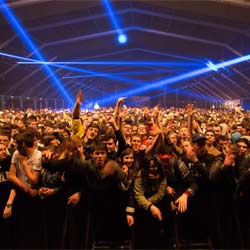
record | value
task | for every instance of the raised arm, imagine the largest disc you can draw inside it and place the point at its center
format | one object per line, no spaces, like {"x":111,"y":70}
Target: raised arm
{"x":77,"y":127}
{"x":117,"y":110}
{"x":76,"y":111}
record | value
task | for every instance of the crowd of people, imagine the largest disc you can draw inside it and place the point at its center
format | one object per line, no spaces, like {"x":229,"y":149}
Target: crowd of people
{"x":147,"y":178}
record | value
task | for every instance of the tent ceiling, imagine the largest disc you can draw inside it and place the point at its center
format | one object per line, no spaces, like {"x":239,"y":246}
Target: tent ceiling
{"x":184,"y":33}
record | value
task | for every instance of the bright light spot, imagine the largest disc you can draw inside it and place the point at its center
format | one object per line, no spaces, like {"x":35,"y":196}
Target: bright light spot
{"x":122,"y":38}
{"x":96,"y":106}
{"x":212,"y":66}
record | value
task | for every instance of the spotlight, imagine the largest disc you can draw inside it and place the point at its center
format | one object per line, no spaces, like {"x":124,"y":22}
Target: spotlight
{"x":122,"y":38}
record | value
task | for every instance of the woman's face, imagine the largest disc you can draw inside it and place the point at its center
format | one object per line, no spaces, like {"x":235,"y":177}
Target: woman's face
{"x":128,"y":160}
{"x":150,"y":140}
{"x":186,"y":145}
{"x":153,"y":168}
{"x":79,"y":149}
{"x":173,"y":138}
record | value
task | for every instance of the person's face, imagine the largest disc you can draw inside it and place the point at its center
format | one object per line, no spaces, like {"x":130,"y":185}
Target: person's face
{"x":99,"y":157}
{"x":110,"y":130}
{"x":92,"y":133}
{"x":49,"y":130}
{"x":95,"y":122}
{"x":86,"y":123}
{"x":184,"y":132}
{"x":127,"y":129}
{"x":186,"y":145}
{"x":173,"y":138}
{"x":243,"y":131}
{"x":150,"y":140}
{"x":153,"y":168}
{"x":136,"y":143}
{"x":20,"y":124}
{"x":128,"y":160}
{"x":239,"y":128}
{"x":55,"y":143}
{"x":4,"y":139}
{"x":224,"y":144}
{"x":142,"y":130}
{"x":33,"y":125}
{"x":110,"y":144}
{"x":217,"y":130}
{"x":243,"y":148}
{"x":79,"y":149}
{"x":3,"y":151}
{"x":210,"y":137}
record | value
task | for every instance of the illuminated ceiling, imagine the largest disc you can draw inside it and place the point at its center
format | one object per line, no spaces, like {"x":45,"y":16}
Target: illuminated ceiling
{"x":166,"y":39}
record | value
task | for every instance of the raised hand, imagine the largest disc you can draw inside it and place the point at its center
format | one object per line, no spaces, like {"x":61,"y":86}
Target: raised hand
{"x":121,"y":99}
{"x":79,"y":97}
{"x":190,"y":109}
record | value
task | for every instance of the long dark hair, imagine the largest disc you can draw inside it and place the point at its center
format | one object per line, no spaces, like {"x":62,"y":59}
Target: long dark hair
{"x":151,"y":184}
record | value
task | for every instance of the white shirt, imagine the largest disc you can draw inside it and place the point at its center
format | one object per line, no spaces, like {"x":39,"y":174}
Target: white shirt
{"x":34,"y":162}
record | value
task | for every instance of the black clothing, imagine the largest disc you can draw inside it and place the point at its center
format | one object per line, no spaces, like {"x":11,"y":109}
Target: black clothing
{"x":179,"y":178}
{"x":227,"y":233}
{"x":243,"y":201}
{"x":52,"y":208}
{"x":6,"y":225}
{"x":200,"y":212}
{"x":74,"y":224}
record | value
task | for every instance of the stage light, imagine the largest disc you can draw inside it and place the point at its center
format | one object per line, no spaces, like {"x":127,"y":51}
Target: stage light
{"x":122,"y":38}
{"x":96,"y":106}
{"x":211,"y":66}
{"x":30,"y":44}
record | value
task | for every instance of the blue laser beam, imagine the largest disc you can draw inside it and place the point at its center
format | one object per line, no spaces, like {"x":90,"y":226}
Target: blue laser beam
{"x":167,"y":81}
{"x":120,"y":63}
{"x":121,"y":37}
{"x":74,"y":69}
{"x":172,"y":80}
{"x":30,"y":44}
{"x":144,"y":72}
{"x":109,"y":8}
